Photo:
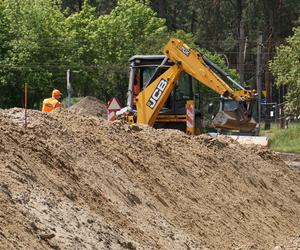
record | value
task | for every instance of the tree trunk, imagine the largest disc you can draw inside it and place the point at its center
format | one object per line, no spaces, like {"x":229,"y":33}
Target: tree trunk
{"x":271,"y":8}
{"x":162,"y":8}
{"x":193,"y":20}
{"x":242,"y":42}
{"x":80,"y":4}
{"x":217,"y":12}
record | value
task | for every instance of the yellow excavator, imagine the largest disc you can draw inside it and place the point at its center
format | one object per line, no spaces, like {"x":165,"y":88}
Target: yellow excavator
{"x":161,"y":92}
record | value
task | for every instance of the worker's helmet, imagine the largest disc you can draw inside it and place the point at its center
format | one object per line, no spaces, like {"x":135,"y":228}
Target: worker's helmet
{"x":56,"y":92}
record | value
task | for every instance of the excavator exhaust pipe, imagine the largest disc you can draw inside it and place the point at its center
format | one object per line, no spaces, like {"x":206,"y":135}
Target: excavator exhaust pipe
{"x":234,"y":120}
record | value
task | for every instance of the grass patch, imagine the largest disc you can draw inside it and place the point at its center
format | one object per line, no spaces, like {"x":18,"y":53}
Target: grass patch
{"x":283,"y":140}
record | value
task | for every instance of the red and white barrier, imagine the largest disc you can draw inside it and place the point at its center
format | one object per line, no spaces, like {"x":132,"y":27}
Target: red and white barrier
{"x":190,"y":117}
{"x":111,"y":115}
{"x":113,"y":105}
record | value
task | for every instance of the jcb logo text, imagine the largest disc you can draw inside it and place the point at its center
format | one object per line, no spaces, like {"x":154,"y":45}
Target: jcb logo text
{"x":157,"y":93}
{"x":184,"y":50}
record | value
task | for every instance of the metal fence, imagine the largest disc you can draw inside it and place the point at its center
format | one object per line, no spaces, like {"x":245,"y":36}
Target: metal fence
{"x":275,"y":113}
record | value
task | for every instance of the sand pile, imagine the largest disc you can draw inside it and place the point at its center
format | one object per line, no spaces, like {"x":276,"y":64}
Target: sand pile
{"x":90,"y":106}
{"x":76,"y":182}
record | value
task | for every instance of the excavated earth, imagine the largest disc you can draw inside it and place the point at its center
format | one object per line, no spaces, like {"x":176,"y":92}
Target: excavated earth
{"x":90,"y":106}
{"x":79,"y":182}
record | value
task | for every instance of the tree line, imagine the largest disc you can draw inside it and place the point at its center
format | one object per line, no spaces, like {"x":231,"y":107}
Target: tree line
{"x":41,"y":39}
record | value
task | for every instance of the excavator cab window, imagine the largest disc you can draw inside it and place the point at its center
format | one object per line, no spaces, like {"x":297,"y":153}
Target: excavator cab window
{"x":184,"y":90}
{"x":146,"y":73}
{"x":145,"y":67}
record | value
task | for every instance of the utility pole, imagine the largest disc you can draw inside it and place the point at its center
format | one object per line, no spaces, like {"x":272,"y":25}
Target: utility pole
{"x":241,"y":58}
{"x":69,"y":87}
{"x":268,"y":84}
{"x":258,"y":74}
{"x":25,"y":102}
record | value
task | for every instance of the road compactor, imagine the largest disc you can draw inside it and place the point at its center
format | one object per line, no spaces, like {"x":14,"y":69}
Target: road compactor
{"x":161,"y":92}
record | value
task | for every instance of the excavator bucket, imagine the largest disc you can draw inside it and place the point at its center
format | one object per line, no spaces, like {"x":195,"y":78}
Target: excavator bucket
{"x":233,"y":118}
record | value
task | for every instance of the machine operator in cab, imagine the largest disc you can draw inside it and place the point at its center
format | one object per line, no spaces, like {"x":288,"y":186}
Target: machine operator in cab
{"x":49,"y":104}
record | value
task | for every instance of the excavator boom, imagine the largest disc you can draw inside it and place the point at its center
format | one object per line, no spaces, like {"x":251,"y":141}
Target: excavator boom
{"x":150,"y":101}
{"x":193,"y":63}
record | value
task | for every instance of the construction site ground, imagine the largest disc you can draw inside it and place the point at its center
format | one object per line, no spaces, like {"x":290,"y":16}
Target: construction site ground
{"x":72,"y":180}
{"x":291,"y":159}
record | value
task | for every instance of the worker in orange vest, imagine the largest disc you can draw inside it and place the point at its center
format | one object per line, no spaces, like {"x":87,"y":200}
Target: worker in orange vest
{"x":52,"y":103}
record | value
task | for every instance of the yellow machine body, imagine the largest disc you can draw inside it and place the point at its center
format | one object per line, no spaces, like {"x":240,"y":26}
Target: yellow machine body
{"x":150,"y":100}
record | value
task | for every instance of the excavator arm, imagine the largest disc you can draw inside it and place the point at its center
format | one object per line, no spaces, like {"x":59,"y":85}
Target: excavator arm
{"x":152,"y":98}
{"x":150,"y":101}
{"x":193,"y":63}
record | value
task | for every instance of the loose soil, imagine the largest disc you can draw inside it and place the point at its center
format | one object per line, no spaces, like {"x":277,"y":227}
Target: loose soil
{"x":78,"y":182}
{"x":90,"y":106}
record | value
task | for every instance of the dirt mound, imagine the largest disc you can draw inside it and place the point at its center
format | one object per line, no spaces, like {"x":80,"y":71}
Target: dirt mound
{"x":90,"y":106}
{"x":75,"y":182}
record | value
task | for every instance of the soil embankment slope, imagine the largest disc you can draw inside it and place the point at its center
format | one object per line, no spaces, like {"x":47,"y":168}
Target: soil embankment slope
{"x":74,"y":182}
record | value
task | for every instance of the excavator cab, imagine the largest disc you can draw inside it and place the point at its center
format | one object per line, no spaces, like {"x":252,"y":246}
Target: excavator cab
{"x":144,"y":68}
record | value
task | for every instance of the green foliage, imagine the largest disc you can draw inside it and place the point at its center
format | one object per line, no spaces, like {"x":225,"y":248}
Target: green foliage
{"x":35,"y":29}
{"x":286,"y":68}
{"x":41,"y":39}
{"x":128,"y":28}
{"x":284,"y":140}
{"x":101,"y":46}
{"x":82,"y":54}
{"x":130,"y":24}
{"x":5,"y":47}
{"x":38,"y":45}
{"x":5,"y":35}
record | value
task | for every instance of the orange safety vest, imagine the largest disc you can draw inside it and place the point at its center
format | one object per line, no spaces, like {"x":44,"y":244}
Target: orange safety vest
{"x":50,"y":104}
